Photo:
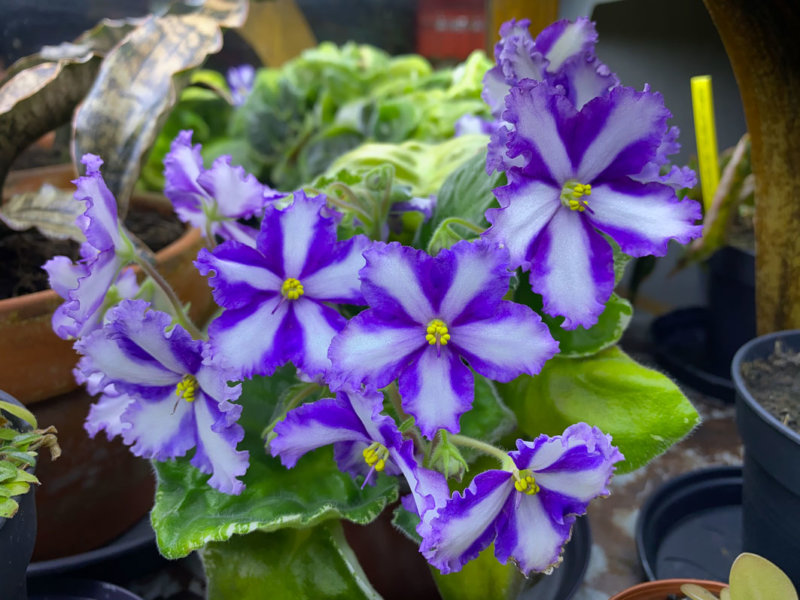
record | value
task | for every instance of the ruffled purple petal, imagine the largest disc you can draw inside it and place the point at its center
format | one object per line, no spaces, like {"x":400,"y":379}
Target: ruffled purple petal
{"x":429,"y":490}
{"x":99,"y":221}
{"x":217,"y":439}
{"x":479,"y":277}
{"x":495,"y":88}
{"x":576,"y":465}
{"x":182,"y":166}
{"x":467,"y":523}
{"x":618,"y":135}
{"x":396,"y":281}
{"x":437,"y":388}
{"x":584,"y":78}
{"x":316,"y":424}
{"x":542,"y":120}
{"x":372,"y":350}
{"x":368,"y":406}
{"x":642,"y":218}
{"x":237,"y":194}
{"x":335,"y":277}
{"x":142,"y":333}
{"x":106,"y":414}
{"x":296,"y":237}
{"x":255,"y":339}
{"x":573,"y":269}
{"x":565,"y":39}
{"x":238,"y":232}
{"x":526,"y":207}
{"x":160,"y":427}
{"x":87,"y":299}
{"x":240,"y":274}
{"x":318,"y":324}
{"x":528,"y":535}
{"x":511,"y":342}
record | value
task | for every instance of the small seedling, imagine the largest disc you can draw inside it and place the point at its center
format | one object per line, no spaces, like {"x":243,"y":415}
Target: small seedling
{"x":18,"y":452}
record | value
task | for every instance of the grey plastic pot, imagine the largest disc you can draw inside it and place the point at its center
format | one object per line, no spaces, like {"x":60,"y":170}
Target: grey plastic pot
{"x":771,"y":473}
{"x":17,"y":534}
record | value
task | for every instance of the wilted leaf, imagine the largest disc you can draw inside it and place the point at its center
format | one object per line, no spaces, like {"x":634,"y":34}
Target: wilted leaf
{"x":755,"y":578}
{"x":135,"y":88}
{"x":51,"y":210}
{"x":228,"y":13}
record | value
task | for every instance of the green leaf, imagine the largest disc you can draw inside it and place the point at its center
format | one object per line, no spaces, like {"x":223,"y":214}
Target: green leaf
{"x":406,"y":522}
{"x":580,"y":342}
{"x":465,"y":194}
{"x":7,"y":471}
{"x":489,"y":419}
{"x":8,"y":507}
{"x":189,"y":514}
{"x":755,"y":578}
{"x":19,"y":411}
{"x":14,"y":488}
{"x":481,"y":578}
{"x":642,"y":409}
{"x":289,"y":564}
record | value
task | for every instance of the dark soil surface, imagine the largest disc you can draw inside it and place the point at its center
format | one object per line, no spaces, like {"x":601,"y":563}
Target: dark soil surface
{"x":775,"y":383}
{"x":22,"y":253}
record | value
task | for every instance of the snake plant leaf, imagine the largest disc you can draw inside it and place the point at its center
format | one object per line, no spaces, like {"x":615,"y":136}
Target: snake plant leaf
{"x":228,"y":13}
{"x":134,"y":89}
{"x":188,"y":513}
{"x":51,"y":210}
{"x":642,"y":409}
{"x":40,"y":91}
{"x":294,"y":563}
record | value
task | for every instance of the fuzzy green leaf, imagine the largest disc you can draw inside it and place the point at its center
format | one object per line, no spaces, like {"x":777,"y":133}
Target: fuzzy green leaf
{"x":189,"y":514}
{"x":8,"y":507}
{"x":287,"y":564}
{"x":642,"y":409}
{"x":481,"y":578}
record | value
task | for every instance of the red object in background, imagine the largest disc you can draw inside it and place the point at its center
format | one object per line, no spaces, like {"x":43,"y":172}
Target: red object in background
{"x":451,"y":28}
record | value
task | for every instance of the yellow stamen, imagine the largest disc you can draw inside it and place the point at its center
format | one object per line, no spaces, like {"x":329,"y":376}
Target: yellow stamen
{"x":186,"y":388}
{"x":292,"y":289}
{"x":525,"y":482}
{"x":572,"y":194}
{"x":376,"y":455}
{"x":436,"y":333}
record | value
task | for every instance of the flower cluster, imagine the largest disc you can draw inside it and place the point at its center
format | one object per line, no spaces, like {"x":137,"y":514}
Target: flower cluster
{"x":586,"y":165}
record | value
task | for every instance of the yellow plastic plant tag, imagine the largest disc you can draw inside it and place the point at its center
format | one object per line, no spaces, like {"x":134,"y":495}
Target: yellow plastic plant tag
{"x":706,"y":136}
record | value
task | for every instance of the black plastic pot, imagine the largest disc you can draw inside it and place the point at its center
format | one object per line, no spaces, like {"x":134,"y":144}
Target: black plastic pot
{"x":732,"y":305}
{"x":771,"y":491}
{"x":17,"y":534}
{"x":691,"y":527}
{"x":78,"y":589}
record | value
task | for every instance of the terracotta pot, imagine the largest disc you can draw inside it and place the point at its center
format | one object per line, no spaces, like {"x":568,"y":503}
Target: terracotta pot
{"x":97,"y":489}
{"x":660,"y":590}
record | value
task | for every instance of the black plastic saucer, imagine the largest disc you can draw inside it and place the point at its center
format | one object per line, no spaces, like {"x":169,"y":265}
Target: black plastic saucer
{"x":691,"y":527}
{"x":77,"y":589}
{"x":131,"y":555}
{"x":679,"y":345}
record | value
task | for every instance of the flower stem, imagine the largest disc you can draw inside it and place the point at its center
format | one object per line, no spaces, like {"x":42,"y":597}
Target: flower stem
{"x":468,"y":442}
{"x":180,"y":312}
{"x":397,"y":403}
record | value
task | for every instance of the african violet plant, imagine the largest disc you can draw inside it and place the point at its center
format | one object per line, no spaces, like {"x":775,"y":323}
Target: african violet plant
{"x":347,"y":368}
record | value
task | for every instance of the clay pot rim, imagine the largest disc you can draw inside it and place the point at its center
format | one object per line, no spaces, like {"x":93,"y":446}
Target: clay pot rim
{"x":46,"y":300}
{"x":666,"y":586}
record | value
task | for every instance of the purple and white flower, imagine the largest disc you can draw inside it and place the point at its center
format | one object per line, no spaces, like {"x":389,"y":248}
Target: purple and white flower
{"x":562,"y":55}
{"x":213,"y":199}
{"x":276,"y":294}
{"x":240,"y":80}
{"x":428,"y":314}
{"x":161,"y":396}
{"x":580,"y":180}
{"x":106,"y":251}
{"x":364,"y":441}
{"x":527,"y":508}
